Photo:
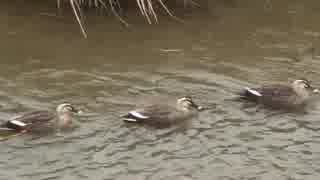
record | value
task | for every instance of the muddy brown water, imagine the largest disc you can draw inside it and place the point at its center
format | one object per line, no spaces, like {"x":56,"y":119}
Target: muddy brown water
{"x":45,"y":61}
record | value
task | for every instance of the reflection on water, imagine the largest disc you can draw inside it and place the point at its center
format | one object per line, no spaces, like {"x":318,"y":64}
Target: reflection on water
{"x":45,"y":61}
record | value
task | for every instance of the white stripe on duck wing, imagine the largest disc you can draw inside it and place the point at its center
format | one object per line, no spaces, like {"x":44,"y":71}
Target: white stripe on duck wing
{"x":250,"y":94}
{"x":135,"y":116}
{"x":18,"y":123}
{"x":253,"y":91}
{"x":13,"y":125}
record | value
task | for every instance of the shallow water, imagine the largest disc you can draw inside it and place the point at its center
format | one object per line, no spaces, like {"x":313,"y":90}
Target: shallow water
{"x":45,"y":61}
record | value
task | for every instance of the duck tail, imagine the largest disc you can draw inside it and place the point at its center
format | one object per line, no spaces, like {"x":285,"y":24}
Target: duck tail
{"x":4,"y":127}
{"x":243,"y":94}
{"x":129,"y":118}
{"x":13,"y":125}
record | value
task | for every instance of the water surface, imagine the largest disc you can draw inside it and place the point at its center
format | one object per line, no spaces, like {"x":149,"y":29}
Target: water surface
{"x":45,"y":61}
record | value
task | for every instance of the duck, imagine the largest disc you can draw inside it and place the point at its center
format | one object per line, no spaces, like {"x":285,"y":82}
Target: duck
{"x":164,"y":114}
{"x":42,"y":120}
{"x":295,"y":95}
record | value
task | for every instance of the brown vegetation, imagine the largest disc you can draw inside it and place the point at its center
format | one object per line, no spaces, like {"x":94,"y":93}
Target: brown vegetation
{"x":147,"y":8}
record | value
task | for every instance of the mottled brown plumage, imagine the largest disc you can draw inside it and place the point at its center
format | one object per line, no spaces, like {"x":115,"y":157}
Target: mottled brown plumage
{"x":41,"y":121}
{"x":164,"y":114}
{"x":295,"y":95}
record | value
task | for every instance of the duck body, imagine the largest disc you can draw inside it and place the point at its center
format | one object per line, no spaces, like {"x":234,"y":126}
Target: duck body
{"x":272,"y":95}
{"x":157,"y":114}
{"x":296,"y":95}
{"x":30,"y":121}
{"x":164,"y":114}
{"x":41,"y":120}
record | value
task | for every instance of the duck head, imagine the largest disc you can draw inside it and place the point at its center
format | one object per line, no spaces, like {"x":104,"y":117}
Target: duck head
{"x":67,"y":108}
{"x":186,"y":103}
{"x":303,"y":87}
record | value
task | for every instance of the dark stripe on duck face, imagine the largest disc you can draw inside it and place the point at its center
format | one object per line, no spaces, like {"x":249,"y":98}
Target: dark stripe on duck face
{"x":188,"y":98}
{"x":194,"y":105}
{"x":307,"y":84}
{"x":71,"y":108}
{"x":191,"y":102}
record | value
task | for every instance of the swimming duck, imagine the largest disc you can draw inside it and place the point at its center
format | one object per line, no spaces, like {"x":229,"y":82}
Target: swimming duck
{"x":42,"y":120}
{"x":164,"y":114}
{"x":290,"y":96}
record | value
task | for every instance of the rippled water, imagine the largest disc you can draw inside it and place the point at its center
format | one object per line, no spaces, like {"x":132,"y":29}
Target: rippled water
{"x":45,"y":61}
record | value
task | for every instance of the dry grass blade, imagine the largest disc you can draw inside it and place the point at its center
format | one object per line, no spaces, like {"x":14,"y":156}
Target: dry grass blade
{"x":143,"y":5}
{"x":139,"y":6}
{"x":58,"y":4}
{"x":74,"y":4}
{"x":152,"y":12}
{"x":146,"y":8}
{"x":191,"y":2}
{"x":165,"y":8}
{"x":168,"y":11}
{"x":114,"y":11}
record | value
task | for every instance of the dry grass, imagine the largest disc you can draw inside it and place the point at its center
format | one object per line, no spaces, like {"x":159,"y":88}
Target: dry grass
{"x":146,"y":8}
